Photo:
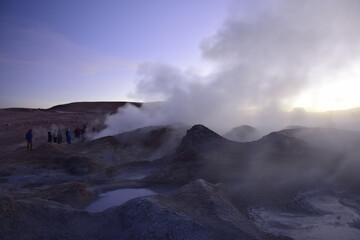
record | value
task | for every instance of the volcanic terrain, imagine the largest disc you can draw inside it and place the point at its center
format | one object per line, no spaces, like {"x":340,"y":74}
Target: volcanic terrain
{"x":297,"y":183}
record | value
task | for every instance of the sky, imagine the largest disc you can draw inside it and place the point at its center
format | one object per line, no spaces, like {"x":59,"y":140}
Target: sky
{"x":54,"y":52}
{"x":211,"y":54}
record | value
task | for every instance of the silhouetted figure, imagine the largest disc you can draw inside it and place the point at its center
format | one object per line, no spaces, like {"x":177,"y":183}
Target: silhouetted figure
{"x":68,"y":136}
{"x":29,"y":137}
{"x":54,"y":136}
{"x":49,"y":137}
{"x":59,"y":136}
{"x":77,"y":134}
{"x":83,"y":132}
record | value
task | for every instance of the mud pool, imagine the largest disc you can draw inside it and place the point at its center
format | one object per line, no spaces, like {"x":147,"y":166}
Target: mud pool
{"x":335,"y":224}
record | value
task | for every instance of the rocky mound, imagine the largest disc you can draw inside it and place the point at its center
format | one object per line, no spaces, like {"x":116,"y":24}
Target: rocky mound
{"x":275,"y":162}
{"x":198,"y":210}
{"x":143,"y":144}
{"x":155,"y":140}
{"x":199,"y":151}
{"x":200,"y":138}
{"x":41,"y":219}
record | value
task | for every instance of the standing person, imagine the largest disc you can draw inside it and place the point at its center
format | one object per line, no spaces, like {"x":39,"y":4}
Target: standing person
{"x":28,"y":138}
{"x":49,"y":137}
{"x":59,"y":136}
{"x":77,"y":134}
{"x":54,"y":136}
{"x":83,"y":132}
{"x":68,"y":136}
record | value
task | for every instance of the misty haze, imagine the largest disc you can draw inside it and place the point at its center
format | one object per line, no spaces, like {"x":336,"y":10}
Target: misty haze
{"x":180,"y":120}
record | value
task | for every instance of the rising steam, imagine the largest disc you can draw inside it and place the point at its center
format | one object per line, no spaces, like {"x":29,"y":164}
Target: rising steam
{"x":264,"y":55}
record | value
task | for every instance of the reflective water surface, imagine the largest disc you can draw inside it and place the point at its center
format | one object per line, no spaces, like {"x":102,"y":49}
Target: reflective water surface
{"x":118,"y":197}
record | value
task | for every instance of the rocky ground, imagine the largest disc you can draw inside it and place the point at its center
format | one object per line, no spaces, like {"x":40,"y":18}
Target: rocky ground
{"x":276,"y":187}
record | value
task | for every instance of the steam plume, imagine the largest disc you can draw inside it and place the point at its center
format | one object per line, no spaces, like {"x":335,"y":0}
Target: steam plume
{"x":265,"y":54}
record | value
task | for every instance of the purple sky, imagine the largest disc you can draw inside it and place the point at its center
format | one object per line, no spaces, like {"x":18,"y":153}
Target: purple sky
{"x":54,"y":52}
{"x":247,"y":54}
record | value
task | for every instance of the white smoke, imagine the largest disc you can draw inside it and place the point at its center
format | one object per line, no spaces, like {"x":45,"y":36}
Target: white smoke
{"x":265,"y":54}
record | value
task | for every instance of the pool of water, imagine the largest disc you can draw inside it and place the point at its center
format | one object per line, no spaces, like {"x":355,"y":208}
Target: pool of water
{"x":332,"y":226}
{"x":118,"y":197}
{"x":137,"y":173}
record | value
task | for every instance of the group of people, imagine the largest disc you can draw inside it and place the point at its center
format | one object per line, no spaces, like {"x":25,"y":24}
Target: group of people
{"x":57,"y":137}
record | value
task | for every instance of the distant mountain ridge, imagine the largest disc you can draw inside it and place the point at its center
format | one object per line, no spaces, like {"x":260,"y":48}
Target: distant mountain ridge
{"x":99,"y":107}
{"x":93,"y":106}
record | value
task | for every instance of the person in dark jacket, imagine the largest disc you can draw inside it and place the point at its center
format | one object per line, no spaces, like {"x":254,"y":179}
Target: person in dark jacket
{"x":59,"y":136}
{"x":28,"y":138}
{"x":68,"y":136}
{"x":49,"y":137}
{"x":77,"y":134}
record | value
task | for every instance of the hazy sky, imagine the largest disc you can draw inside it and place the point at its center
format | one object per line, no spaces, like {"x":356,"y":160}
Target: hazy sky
{"x":240,"y":54}
{"x":54,"y":52}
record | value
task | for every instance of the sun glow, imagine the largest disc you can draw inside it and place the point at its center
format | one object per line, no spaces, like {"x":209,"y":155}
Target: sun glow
{"x":336,"y":91}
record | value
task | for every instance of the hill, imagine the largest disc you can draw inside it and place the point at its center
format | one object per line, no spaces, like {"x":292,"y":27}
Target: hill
{"x":110,"y":107}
